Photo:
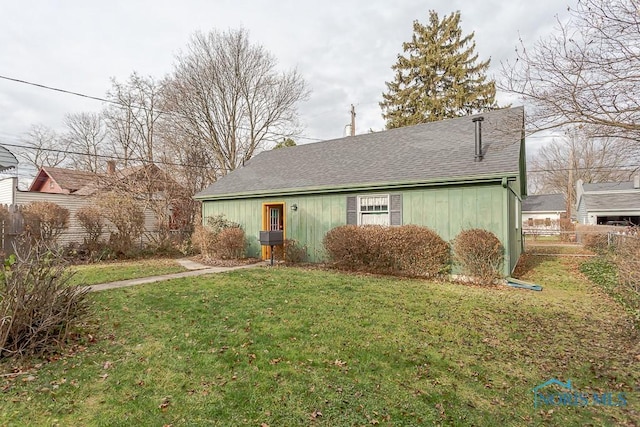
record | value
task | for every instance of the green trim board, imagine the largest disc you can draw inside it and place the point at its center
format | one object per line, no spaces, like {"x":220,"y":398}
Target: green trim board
{"x":513,"y":176}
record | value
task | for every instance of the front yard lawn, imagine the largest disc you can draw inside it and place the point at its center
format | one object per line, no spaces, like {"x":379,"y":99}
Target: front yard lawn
{"x":92,"y":274}
{"x":287,"y":346}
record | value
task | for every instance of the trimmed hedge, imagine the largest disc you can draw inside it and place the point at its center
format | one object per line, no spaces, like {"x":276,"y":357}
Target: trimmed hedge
{"x":291,"y":252}
{"x":220,"y":238}
{"x":480,"y":255}
{"x":230,"y":243}
{"x":408,"y":250}
{"x":45,"y":221}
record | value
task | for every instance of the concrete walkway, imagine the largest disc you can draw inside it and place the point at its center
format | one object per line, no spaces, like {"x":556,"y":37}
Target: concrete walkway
{"x":195,"y":269}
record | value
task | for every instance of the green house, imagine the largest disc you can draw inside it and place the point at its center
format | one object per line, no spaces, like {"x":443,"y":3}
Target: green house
{"x":450,"y":175}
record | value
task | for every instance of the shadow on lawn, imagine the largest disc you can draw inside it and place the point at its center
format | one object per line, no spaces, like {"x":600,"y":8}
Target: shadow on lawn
{"x":529,"y":261}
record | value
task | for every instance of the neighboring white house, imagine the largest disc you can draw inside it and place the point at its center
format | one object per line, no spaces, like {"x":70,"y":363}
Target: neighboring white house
{"x":75,"y":189}
{"x":10,"y":195}
{"x":542,"y":213}
{"x":608,"y":203}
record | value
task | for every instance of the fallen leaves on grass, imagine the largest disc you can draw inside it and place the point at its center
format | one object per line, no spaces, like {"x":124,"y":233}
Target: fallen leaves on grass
{"x":165,"y":404}
{"x":316,"y":414}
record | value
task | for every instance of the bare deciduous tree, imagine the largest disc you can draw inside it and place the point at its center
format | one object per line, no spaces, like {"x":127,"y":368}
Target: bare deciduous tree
{"x":559,"y":164}
{"x":85,"y":139}
{"x":586,"y":73}
{"x":43,"y":147}
{"x":187,"y":160}
{"x":133,"y":117}
{"x":227,"y":97}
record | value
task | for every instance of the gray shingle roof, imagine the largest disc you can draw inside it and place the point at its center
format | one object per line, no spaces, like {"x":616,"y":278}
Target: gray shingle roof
{"x":432,"y":151}
{"x":544,"y":203}
{"x":629,"y":201}
{"x":608,"y":186}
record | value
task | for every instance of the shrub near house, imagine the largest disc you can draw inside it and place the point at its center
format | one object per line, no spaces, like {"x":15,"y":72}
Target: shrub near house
{"x":220,"y":238}
{"x":45,"y":220}
{"x":479,"y":254}
{"x":408,"y":249}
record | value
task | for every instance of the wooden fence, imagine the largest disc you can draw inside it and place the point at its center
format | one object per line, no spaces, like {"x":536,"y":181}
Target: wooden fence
{"x":12,"y":227}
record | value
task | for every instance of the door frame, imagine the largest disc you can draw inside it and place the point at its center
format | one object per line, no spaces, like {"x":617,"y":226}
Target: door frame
{"x":266,"y":206}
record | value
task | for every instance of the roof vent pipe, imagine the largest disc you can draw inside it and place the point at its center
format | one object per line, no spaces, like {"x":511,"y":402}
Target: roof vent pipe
{"x":636,"y":181}
{"x":478,"y":123}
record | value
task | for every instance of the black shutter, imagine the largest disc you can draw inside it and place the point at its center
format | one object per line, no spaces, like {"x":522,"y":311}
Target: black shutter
{"x":352,"y":210}
{"x":395,"y":209}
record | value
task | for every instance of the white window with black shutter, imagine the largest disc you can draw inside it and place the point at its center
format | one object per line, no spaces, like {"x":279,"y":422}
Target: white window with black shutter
{"x":374,"y":209}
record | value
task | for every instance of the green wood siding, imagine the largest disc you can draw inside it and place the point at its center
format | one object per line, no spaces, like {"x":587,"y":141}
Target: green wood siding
{"x":447,"y":210}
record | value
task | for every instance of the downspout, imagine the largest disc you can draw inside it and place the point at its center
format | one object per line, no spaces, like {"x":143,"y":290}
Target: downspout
{"x":506,"y":219}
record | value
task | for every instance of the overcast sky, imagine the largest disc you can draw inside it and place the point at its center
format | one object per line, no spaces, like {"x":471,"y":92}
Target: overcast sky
{"x":343,"y":49}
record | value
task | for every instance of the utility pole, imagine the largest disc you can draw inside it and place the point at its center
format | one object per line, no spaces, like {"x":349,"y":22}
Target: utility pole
{"x":353,"y":120}
{"x":570,"y":184}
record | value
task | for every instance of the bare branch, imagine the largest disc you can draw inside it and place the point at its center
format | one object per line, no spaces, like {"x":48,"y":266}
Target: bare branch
{"x":587,"y":73}
{"x":226,"y":97}
{"x":44,"y":147}
{"x":85,"y":138}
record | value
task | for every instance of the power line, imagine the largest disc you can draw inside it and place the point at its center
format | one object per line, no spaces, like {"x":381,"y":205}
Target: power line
{"x":120,"y":104}
{"x":167,"y":163}
{"x":105,"y":156}
{"x":274,"y":134}
{"x":114,"y":102}
{"x":68,"y":92}
{"x":629,"y":168}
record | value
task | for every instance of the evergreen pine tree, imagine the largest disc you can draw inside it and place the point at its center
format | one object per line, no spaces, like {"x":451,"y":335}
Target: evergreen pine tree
{"x":438,"y":76}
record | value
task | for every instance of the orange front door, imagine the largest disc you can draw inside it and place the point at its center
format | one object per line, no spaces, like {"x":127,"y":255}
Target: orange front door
{"x":272,"y":219}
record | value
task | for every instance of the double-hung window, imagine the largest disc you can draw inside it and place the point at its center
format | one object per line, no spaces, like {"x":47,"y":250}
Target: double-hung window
{"x":373,"y":210}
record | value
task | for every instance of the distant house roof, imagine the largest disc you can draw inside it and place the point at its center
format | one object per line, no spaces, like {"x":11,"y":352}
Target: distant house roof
{"x":7,"y":159}
{"x":442,"y":150}
{"x":130,"y":176}
{"x":544,"y":203}
{"x":610,"y":196}
{"x":69,"y":180}
{"x":84,"y":183}
{"x":615,"y":201}
{"x":608,"y":186}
